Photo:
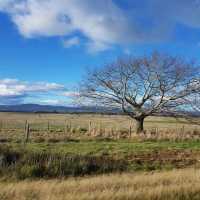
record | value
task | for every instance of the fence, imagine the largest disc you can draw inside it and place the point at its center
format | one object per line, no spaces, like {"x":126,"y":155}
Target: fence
{"x":33,"y":129}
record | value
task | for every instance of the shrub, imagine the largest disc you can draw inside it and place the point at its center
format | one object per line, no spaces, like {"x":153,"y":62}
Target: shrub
{"x":4,"y":140}
{"x":24,"y":165}
{"x":29,"y":171}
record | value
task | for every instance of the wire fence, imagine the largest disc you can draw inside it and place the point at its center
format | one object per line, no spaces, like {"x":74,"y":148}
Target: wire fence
{"x":26,"y":130}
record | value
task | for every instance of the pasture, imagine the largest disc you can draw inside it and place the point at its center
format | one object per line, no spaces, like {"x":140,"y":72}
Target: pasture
{"x":97,"y":155}
{"x":62,"y":126}
{"x":168,"y":185}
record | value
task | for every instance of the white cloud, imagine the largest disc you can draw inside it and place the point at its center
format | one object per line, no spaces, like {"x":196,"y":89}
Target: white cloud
{"x":55,"y":102}
{"x":67,"y":43}
{"x":71,"y":94}
{"x":102,"y":22}
{"x":94,"y":47}
{"x":13,"y":90}
{"x":38,"y":18}
{"x":14,"y":87}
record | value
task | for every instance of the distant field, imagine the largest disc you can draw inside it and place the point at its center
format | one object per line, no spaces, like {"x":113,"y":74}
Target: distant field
{"x":12,"y":126}
{"x":82,"y":120}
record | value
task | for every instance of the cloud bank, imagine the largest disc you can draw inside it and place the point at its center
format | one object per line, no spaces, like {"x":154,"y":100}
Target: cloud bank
{"x":103,"y":23}
{"x":13,"y":91}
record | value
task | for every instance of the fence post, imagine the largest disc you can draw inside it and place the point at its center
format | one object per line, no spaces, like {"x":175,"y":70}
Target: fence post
{"x":66,"y":127}
{"x":157,"y":131}
{"x":130,"y":131}
{"x":48,"y":126}
{"x":90,"y":127}
{"x":25,"y":125}
{"x":70,"y":127}
{"x":112,"y":132}
{"x":27,"y":132}
{"x":183,"y":129}
{"x":1,"y":126}
{"x":100,"y":130}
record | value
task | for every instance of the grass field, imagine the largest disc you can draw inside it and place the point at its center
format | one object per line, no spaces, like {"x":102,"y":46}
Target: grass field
{"x":60,"y":126}
{"x":170,"y":185}
{"x":82,"y":120}
{"x":88,"y":156}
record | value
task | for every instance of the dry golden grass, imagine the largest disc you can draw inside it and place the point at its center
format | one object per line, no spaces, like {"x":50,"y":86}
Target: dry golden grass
{"x":82,"y":120}
{"x":112,"y":126}
{"x":171,"y":185}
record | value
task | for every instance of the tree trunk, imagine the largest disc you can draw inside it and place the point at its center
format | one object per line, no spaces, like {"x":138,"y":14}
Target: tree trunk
{"x":139,"y":125}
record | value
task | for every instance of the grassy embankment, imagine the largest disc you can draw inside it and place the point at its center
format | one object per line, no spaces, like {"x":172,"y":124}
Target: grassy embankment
{"x":170,"y":185}
{"x":79,"y":158}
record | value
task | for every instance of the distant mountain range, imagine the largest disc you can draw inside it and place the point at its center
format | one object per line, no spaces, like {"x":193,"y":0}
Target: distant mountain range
{"x":35,"y":108}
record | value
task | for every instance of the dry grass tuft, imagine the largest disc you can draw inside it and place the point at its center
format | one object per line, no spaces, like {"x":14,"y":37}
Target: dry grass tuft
{"x":177,"y":184}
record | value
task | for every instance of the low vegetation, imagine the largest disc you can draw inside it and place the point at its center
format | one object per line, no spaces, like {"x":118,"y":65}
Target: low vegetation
{"x":80,"y":158}
{"x":87,"y":157}
{"x":23,"y":164}
{"x":170,"y":185}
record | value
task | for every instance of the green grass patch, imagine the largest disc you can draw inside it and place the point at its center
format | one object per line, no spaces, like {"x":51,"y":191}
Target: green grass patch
{"x":111,"y":147}
{"x":78,"y":158}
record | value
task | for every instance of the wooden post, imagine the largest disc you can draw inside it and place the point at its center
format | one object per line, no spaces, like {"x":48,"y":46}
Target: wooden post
{"x":104,"y":132}
{"x":182,"y":132}
{"x":130,"y":131}
{"x":70,"y":126}
{"x":112,"y":132}
{"x":65,"y":127}
{"x":118,"y":133}
{"x":72,"y":129}
{"x":90,"y":127}
{"x":48,"y":126}
{"x":25,"y":125}
{"x":1,"y":126}
{"x":183,"y":129}
{"x":157,"y":131}
{"x":27,"y":132}
{"x":99,"y":130}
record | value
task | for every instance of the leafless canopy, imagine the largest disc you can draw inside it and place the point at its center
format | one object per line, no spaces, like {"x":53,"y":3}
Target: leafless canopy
{"x":144,"y":86}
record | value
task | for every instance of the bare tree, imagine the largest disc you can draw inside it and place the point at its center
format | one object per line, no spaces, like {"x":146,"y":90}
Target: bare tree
{"x":144,"y":86}
{"x":194,"y":104}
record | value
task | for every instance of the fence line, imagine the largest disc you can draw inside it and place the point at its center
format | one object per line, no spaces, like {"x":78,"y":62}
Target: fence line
{"x":93,"y":129}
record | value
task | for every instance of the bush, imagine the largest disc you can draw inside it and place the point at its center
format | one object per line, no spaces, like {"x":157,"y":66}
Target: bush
{"x":8,"y":157}
{"x":4,"y":140}
{"x":24,"y":165}
{"x":29,"y":171}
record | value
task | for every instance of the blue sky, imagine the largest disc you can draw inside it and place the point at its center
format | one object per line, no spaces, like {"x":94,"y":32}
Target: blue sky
{"x":45,"y":45}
